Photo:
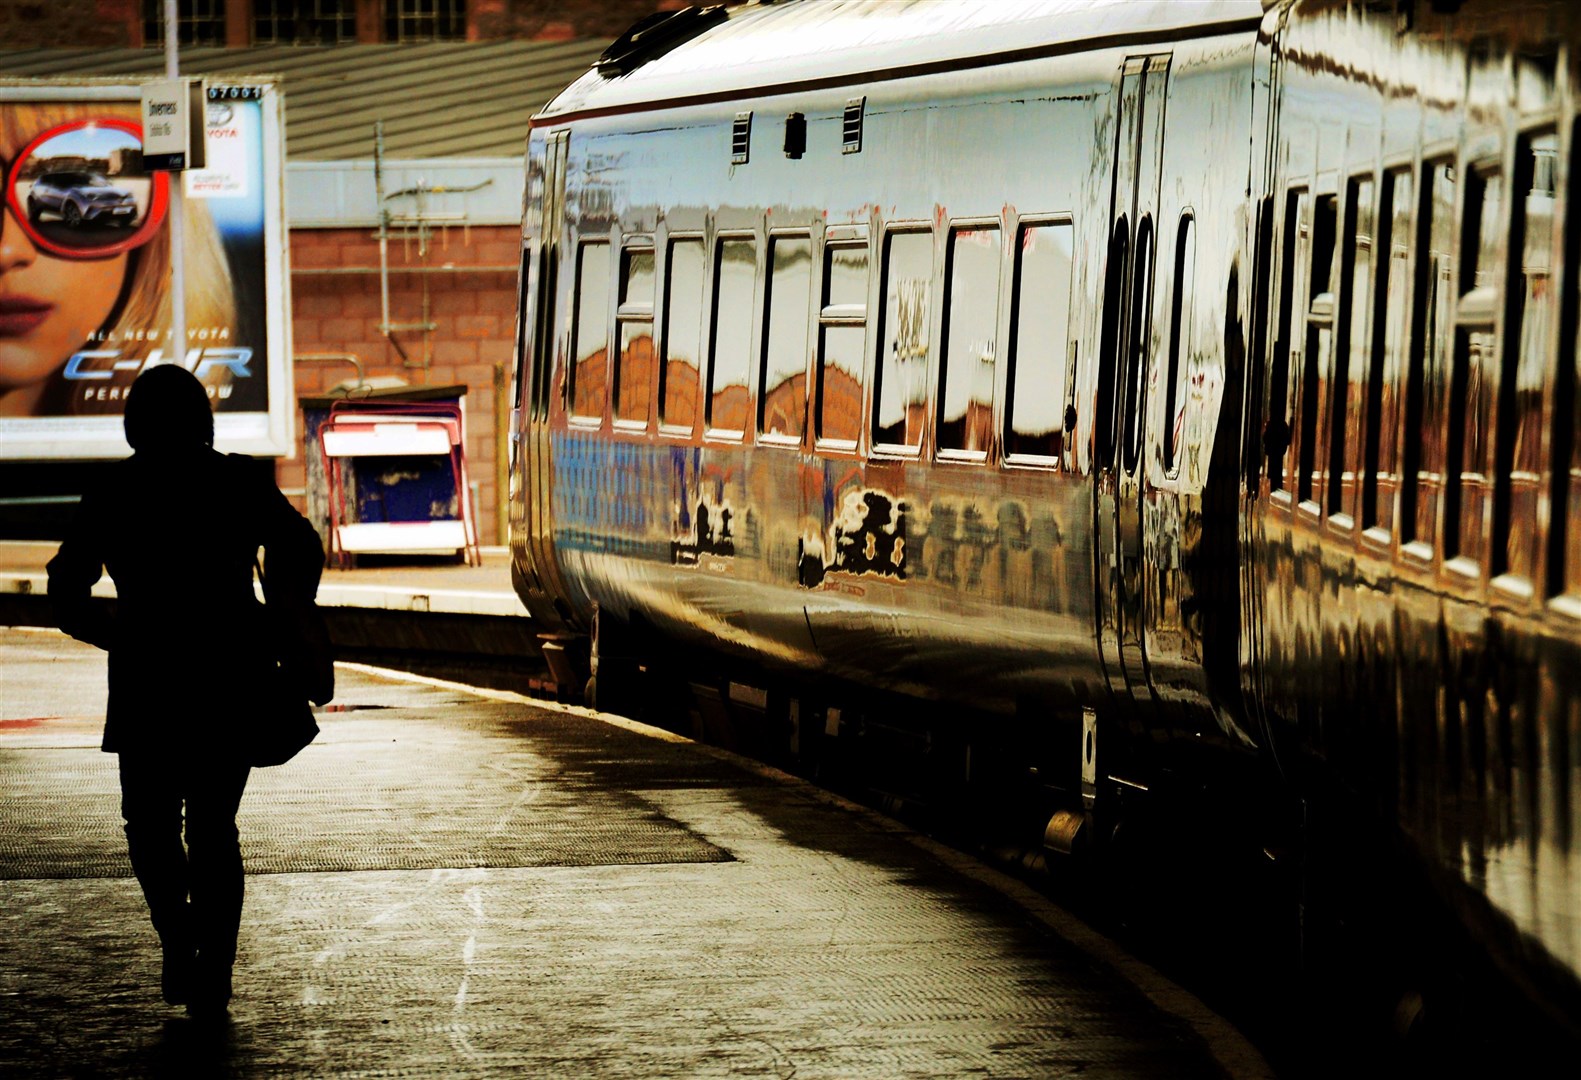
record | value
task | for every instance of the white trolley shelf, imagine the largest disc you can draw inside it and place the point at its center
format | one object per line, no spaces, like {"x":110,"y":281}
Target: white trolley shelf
{"x":357,"y":430}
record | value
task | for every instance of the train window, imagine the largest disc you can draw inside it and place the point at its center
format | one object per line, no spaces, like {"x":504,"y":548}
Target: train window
{"x":1292,"y":283}
{"x":1475,"y":360}
{"x":1319,"y":342}
{"x":1261,"y":312}
{"x":1141,"y":335}
{"x":590,"y":369}
{"x":1391,"y":318}
{"x":1179,"y":341}
{"x":782,"y":408}
{"x":683,"y":334}
{"x":1039,"y":331}
{"x":1564,"y":537}
{"x":1422,"y":463}
{"x":1519,"y":467}
{"x":1350,"y":356}
{"x":971,"y":314}
{"x":634,"y":318}
{"x":900,"y":398}
{"x":842,"y":335}
{"x":1109,"y":346}
{"x":730,"y":353}
{"x":546,"y":281}
{"x":523,"y":339}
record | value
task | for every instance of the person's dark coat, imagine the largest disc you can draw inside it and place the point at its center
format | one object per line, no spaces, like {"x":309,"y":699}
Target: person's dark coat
{"x":190,"y":647}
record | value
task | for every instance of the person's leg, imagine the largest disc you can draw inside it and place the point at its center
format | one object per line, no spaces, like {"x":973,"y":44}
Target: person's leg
{"x":214,"y":793}
{"x":151,"y":807}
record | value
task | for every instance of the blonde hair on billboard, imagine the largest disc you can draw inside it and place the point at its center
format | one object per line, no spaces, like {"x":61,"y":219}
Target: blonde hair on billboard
{"x":140,"y":319}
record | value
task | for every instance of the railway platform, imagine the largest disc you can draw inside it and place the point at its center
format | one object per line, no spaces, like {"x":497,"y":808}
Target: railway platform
{"x":447,"y":618}
{"x":453,"y":882}
{"x":410,"y":586}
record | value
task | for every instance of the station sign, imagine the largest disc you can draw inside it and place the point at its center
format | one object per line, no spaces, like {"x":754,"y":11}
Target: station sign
{"x":173,"y":125}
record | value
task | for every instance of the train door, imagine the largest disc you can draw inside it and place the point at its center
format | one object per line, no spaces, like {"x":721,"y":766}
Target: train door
{"x":534,"y":549}
{"x":1122,"y":370}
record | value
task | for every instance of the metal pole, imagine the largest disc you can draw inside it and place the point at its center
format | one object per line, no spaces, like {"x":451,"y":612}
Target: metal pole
{"x":178,"y":252}
{"x":384,"y":230}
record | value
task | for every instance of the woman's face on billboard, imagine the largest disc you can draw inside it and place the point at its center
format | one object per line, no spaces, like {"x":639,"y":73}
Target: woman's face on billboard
{"x":48,"y":307}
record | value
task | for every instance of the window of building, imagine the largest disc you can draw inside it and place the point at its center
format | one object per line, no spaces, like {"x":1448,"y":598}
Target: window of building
{"x":425,"y":20}
{"x":730,"y":354}
{"x":1422,"y":461}
{"x":1039,"y":337}
{"x":304,"y":22}
{"x":782,"y":408}
{"x":900,"y":399}
{"x":635,"y":367}
{"x":842,"y":338}
{"x":1483,"y":235}
{"x":1392,"y":319}
{"x":589,"y":372}
{"x":198,"y":22}
{"x":971,"y":316}
{"x":1350,"y":357}
{"x":683,"y":333}
{"x":1518,"y":465}
{"x":1319,"y":344}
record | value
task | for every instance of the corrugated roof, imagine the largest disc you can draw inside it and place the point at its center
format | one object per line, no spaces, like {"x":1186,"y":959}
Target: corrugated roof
{"x":448,"y":99}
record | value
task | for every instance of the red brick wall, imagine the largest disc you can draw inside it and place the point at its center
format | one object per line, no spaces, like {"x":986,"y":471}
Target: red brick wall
{"x":474,"y":311}
{"x":561,"y":19}
{"x":32,"y":23}
{"x":69,"y":23}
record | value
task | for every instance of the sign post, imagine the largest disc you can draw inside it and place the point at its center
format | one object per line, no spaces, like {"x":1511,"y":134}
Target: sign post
{"x":172,"y":112}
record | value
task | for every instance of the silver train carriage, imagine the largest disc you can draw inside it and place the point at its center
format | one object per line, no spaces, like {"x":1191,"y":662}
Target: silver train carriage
{"x":1140,"y":374}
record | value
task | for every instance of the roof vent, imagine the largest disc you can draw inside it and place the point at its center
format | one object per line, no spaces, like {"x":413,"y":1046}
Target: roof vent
{"x":741,"y":138}
{"x":851,"y":130}
{"x":654,"y":36}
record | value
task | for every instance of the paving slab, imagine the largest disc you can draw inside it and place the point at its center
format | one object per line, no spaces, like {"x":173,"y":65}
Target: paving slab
{"x":449,"y":883}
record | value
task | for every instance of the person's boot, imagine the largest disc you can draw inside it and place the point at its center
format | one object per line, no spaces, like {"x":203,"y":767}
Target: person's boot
{"x":211,"y":990}
{"x":177,"y":974}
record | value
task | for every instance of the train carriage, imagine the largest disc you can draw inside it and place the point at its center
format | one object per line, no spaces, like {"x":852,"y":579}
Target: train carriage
{"x":1124,"y":389}
{"x":1410,"y":545}
{"x":812,"y":389}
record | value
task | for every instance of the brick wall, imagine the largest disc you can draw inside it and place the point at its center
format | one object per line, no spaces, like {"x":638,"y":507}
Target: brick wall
{"x":488,"y":19}
{"x":74,"y":23}
{"x":77,"y":23}
{"x":471,"y":299}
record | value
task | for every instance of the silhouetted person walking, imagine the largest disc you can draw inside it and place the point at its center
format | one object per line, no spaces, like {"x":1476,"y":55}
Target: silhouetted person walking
{"x":179,"y":526}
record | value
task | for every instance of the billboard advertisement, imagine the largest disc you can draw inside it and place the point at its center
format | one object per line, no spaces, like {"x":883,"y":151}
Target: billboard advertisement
{"x":85,"y":268}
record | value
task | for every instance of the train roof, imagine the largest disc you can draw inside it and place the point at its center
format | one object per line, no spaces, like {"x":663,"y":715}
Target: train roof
{"x":765,"y":48}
